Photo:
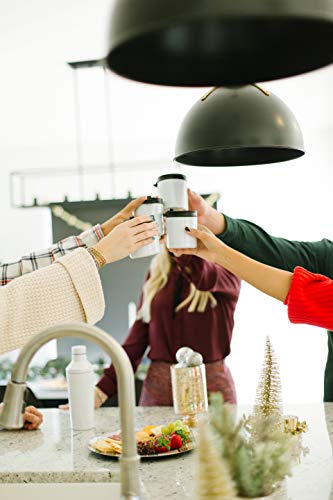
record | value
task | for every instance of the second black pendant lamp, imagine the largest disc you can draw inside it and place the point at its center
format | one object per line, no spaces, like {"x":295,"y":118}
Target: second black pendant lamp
{"x":219,"y":42}
{"x":239,"y":125}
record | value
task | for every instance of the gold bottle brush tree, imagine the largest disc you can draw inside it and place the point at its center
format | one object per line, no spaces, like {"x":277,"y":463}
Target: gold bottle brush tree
{"x":269,"y":393}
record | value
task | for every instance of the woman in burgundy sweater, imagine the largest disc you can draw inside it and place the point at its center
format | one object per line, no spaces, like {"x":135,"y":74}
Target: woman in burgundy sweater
{"x":185,"y":301}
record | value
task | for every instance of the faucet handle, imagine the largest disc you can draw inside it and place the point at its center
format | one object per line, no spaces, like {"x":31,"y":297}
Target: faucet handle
{"x":11,"y":416}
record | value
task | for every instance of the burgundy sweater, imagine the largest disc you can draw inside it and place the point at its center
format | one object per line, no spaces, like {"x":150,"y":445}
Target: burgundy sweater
{"x":208,"y":333}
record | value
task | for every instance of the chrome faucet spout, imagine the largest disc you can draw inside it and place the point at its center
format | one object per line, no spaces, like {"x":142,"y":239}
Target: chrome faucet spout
{"x":11,"y":415}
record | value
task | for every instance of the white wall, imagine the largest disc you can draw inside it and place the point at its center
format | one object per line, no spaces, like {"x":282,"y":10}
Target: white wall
{"x":37,"y":131}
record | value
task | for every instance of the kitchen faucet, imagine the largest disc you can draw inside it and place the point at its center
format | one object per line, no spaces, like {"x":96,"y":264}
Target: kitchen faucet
{"x":11,"y":416}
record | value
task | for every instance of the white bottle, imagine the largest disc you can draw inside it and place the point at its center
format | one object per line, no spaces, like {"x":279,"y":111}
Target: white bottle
{"x":81,"y":387}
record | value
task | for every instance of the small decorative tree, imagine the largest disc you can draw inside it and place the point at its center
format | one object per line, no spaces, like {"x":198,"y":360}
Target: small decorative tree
{"x":257,"y":454}
{"x":268,"y":400}
{"x":214,"y":479}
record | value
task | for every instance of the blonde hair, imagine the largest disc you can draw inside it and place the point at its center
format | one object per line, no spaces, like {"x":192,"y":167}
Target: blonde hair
{"x":160,"y":269}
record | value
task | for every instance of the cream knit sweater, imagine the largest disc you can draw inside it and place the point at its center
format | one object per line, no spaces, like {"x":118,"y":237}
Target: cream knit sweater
{"x":68,"y":290}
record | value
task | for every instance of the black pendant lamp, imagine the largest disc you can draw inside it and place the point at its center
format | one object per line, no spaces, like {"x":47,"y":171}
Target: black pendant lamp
{"x":219,"y":42}
{"x":232,"y":126}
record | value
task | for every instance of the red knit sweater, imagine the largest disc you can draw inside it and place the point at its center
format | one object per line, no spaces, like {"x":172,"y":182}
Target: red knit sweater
{"x":310,"y":299}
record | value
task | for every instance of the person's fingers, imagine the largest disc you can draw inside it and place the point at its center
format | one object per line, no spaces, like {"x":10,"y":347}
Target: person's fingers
{"x":143,"y":235}
{"x":34,"y":411}
{"x":142,"y":243}
{"x":32,"y":417}
{"x":32,"y":420}
{"x":198,"y":233}
{"x":29,"y":427}
{"x":64,"y":407}
{"x":141,"y":228}
{"x":138,"y":220}
{"x":190,"y":195}
{"x":206,"y":230}
{"x":132,"y":206}
{"x":193,"y":195}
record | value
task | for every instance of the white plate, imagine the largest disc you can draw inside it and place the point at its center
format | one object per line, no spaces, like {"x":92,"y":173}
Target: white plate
{"x":184,"y":449}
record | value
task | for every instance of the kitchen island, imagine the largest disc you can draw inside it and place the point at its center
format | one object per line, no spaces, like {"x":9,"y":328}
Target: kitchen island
{"x":55,"y":454}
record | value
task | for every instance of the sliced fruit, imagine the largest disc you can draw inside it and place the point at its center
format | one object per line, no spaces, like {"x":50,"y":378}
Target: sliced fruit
{"x":149,"y":429}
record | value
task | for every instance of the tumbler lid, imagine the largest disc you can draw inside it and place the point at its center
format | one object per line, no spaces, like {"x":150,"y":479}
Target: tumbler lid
{"x":170,"y":176}
{"x":151,"y":199}
{"x":181,"y":213}
{"x":151,"y":216}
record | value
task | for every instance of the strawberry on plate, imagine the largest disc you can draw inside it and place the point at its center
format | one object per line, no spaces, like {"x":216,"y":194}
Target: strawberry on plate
{"x":183,"y":434}
{"x":176,"y":441}
{"x":162,"y":444}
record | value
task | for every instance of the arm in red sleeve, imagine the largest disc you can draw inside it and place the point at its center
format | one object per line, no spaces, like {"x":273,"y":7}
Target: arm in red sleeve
{"x":310,"y":299}
{"x":135,"y":346}
{"x":206,"y":276}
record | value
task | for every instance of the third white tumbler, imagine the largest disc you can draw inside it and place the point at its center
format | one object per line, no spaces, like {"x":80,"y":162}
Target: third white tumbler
{"x":176,"y":222}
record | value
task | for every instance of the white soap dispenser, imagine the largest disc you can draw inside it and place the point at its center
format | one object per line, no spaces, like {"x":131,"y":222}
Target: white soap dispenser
{"x":81,"y":386}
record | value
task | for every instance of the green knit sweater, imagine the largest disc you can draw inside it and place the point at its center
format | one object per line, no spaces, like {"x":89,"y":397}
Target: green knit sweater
{"x":317,"y":257}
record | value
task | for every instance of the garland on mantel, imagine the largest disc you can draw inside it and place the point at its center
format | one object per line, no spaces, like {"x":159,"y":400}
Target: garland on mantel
{"x":70,"y":219}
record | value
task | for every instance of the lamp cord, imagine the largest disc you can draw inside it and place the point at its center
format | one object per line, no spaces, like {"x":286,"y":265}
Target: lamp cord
{"x":264,"y":91}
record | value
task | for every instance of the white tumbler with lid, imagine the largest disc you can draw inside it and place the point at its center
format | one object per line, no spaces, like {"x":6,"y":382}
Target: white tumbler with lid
{"x":172,"y":188}
{"x":176,"y":222}
{"x":81,"y":387}
{"x":154,"y":208}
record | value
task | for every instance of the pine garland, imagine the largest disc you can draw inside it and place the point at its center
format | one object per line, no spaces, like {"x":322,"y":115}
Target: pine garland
{"x":214,"y":479}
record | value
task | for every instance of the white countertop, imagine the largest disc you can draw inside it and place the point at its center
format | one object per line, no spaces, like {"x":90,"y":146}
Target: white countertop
{"x":56,"y":454}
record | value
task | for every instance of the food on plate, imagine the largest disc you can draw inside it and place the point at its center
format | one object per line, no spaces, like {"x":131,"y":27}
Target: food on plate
{"x":141,"y":436}
{"x":108,"y":445}
{"x":161,"y":443}
{"x":176,"y":441}
{"x":149,"y":428}
{"x":146,"y":448}
{"x":116,"y":437}
{"x":151,"y":440}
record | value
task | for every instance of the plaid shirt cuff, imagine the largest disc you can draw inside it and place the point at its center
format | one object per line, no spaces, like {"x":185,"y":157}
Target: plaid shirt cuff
{"x":40,"y":259}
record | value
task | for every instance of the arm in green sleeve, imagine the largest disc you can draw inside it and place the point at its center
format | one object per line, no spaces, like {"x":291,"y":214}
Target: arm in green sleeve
{"x":254,"y":242}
